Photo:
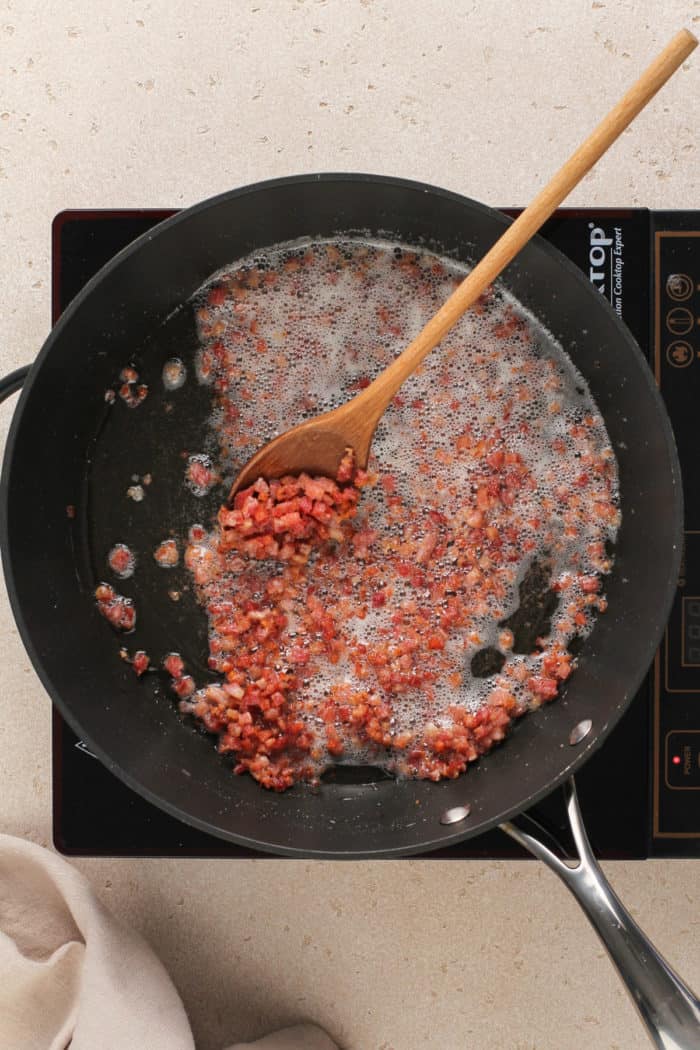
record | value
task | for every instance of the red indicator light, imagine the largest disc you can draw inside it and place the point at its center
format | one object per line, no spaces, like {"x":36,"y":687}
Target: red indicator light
{"x":676,"y":760}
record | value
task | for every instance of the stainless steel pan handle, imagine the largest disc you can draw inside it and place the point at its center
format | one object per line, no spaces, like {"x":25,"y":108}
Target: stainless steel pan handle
{"x":668,"y":1008}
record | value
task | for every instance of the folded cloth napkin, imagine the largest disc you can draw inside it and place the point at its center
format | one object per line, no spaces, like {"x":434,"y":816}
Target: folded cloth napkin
{"x":71,"y":974}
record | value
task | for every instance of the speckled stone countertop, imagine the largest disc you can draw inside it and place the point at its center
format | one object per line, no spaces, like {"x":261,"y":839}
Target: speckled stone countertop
{"x":162,"y":104}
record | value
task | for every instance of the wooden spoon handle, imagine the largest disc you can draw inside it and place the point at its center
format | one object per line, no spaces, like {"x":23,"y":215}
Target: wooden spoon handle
{"x":379,"y":393}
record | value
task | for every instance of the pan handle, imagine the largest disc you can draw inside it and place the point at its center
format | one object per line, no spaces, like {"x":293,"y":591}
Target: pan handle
{"x":668,"y":1008}
{"x":12,"y":382}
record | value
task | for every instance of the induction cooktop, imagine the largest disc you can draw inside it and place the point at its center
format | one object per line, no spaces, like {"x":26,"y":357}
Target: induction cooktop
{"x":640,"y":793}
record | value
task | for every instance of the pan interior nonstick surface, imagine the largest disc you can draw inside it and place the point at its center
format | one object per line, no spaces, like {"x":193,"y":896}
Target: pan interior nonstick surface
{"x":145,"y":450}
{"x":155,"y":438}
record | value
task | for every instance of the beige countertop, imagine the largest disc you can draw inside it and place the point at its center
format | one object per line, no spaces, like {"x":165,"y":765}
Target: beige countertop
{"x":163,"y":103}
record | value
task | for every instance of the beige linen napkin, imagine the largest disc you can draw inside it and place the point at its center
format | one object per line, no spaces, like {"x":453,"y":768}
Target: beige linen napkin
{"x":71,"y":974}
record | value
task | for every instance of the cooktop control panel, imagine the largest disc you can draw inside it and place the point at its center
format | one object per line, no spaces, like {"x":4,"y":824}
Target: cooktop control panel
{"x":675,"y":245}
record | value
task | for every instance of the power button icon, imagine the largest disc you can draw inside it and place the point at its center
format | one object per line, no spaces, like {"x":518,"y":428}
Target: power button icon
{"x":679,"y":286}
{"x":679,"y":354}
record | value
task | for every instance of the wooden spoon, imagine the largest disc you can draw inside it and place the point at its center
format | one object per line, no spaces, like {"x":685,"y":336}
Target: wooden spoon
{"x":318,"y":445}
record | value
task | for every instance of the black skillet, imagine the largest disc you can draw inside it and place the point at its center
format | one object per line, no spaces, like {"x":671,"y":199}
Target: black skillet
{"x":67,"y":446}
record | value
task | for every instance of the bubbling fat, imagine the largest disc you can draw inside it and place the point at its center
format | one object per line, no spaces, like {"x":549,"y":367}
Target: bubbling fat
{"x":492,"y":459}
{"x":174,"y":374}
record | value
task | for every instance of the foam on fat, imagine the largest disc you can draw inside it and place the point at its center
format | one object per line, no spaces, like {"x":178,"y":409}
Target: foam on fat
{"x":174,"y":374}
{"x":499,"y":370}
